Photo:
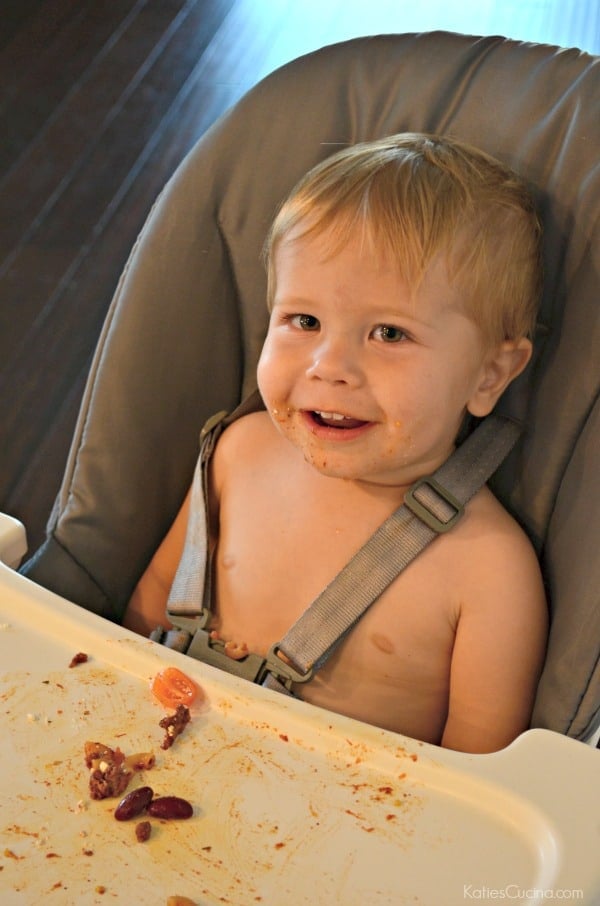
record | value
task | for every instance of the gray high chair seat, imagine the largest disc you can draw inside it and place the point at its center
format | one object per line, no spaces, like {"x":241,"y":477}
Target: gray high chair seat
{"x":185,"y":328}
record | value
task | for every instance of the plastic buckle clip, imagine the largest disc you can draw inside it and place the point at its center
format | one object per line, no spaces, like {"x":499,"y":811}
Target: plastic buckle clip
{"x":252,"y":667}
{"x":283,"y":670}
{"x":189,"y":624}
{"x":212,"y":651}
{"x":425,"y":514}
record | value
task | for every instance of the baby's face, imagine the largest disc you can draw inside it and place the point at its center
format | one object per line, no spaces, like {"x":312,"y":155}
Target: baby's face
{"x":369,"y":382}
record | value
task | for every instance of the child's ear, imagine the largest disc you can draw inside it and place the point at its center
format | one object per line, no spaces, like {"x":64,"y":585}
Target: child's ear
{"x":501,"y":366}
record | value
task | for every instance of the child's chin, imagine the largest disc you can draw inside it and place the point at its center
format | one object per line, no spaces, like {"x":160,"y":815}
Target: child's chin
{"x":329,"y":465}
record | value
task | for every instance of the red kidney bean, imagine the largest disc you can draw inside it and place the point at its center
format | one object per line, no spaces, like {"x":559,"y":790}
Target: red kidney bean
{"x":134,"y":803}
{"x":169,"y":807}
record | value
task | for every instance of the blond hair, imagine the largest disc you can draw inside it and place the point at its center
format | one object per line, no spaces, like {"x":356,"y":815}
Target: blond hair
{"x":416,"y":196}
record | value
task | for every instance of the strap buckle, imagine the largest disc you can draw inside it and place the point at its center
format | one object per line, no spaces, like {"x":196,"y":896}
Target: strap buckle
{"x":191,"y":623}
{"x":424,"y":513}
{"x":283,"y":670}
{"x":212,"y":651}
{"x":200,"y":645}
{"x":190,"y":637}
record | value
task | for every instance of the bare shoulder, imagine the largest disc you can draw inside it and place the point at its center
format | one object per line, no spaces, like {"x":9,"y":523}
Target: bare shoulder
{"x":245,"y":434}
{"x":241,"y":443}
{"x":500,"y":617}
{"x":486,"y":511}
{"x":255,"y":426}
{"x":491,"y":525}
{"x":495,"y":558}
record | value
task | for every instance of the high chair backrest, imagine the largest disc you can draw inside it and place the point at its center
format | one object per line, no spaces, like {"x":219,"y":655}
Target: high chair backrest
{"x":184,"y":331}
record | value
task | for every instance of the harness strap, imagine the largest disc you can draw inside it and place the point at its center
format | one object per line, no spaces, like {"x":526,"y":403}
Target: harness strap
{"x":431,"y":507}
{"x":190,"y":596}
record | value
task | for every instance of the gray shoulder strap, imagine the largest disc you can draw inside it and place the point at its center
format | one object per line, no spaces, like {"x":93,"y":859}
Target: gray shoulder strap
{"x":431,"y":507}
{"x":190,"y":592}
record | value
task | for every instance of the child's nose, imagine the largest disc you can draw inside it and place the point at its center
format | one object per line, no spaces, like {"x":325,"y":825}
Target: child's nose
{"x":334,"y":360}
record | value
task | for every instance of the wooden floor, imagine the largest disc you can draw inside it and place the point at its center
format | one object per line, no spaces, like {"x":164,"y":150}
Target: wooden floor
{"x":100,"y":100}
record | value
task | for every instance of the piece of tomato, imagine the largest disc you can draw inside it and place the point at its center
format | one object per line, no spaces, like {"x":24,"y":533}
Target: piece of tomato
{"x":172,"y":687}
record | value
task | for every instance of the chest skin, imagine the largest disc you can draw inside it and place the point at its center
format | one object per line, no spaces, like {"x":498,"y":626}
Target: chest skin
{"x":283,"y":532}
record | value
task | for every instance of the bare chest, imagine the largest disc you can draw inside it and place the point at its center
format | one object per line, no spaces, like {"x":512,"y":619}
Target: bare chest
{"x":276,"y":553}
{"x":280,"y":543}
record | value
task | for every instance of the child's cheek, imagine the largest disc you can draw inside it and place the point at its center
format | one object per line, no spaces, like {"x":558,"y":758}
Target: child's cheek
{"x":266,"y":375}
{"x":281,"y":415}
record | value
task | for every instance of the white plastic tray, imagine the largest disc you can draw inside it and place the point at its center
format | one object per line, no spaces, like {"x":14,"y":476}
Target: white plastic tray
{"x":292,"y":804}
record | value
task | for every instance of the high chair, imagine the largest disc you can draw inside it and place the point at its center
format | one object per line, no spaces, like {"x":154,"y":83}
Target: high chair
{"x":186,"y":324}
{"x":185,"y":328}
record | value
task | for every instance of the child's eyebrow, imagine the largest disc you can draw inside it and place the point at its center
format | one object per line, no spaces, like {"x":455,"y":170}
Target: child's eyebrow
{"x":383,"y":315}
{"x":298,"y":302}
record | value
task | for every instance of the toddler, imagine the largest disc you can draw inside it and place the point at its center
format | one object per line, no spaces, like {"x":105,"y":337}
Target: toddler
{"x":403,"y":284}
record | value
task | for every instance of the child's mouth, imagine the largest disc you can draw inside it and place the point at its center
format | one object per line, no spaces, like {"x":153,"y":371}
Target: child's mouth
{"x":336,"y":420}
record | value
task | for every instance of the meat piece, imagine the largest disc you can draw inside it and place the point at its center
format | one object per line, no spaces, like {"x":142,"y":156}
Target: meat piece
{"x":109,"y":774}
{"x":174,"y":725}
{"x":109,"y":780}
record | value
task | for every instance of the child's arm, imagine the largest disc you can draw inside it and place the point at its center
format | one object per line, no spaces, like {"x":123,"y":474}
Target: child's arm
{"x":147,"y":606}
{"x":499,"y":649}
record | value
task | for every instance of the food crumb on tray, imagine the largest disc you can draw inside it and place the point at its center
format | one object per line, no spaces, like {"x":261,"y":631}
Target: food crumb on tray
{"x":79,"y":658}
{"x":143,"y":829}
{"x":110,"y":770}
{"x":174,"y":725}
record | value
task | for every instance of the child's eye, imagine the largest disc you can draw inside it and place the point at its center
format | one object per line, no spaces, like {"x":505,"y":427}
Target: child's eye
{"x":305,"y":322}
{"x":387,"y":333}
